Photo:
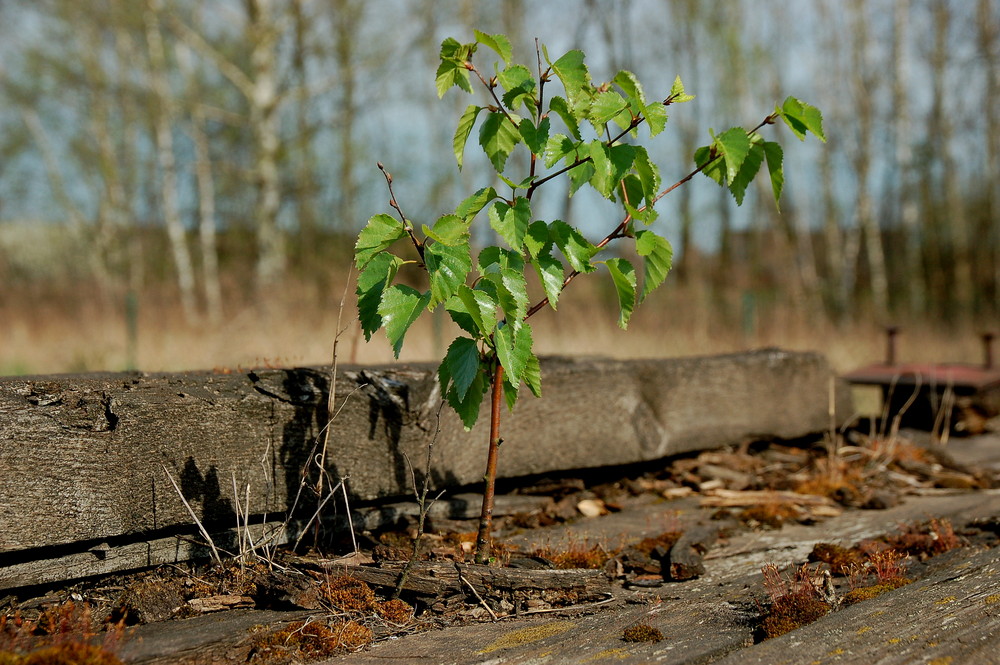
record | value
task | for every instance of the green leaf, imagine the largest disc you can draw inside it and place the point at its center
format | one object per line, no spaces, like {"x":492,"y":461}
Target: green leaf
{"x":447,"y":267}
{"x":494,"y":259}
{"x":561,"y":107}
{"x":498,"y":43}
{"x":623,"y":275}
{"x":559,"y":147}
{"x":714,"y":167}
{"x":801,"y":118}
{"x":749,"y":169}
{"x":510,"y":391}
{"x":629,"y":84}
{"x":537,"y":240}
{"x":372,"y":281}
{"x":536,"y":138}
{"x":513,"y":350}
{"x":572,"y":71}
{"x":468,"y":407}
{"x":449,"y":230}
{"x":465,"y":124}
{"x":460,"y":367}
{"x":656,"y":117}
{"x":550,"y":273}
{"x":649,"y":175}
{"x":514,"y":296}
{"x":511,"y":222}
{"x":605,"y":107}
{"x":481,"y":308}
{"x":734,"y":146}
{"x":378,"y":235}
{"x":677,"y":93}
{"x":498,"y":136}
{"x":452,"y":71}
{"x":658,"y":257}
{"x":519,"y":86}
{"x":610,"y":166}
{"x":577,"y":249}
{"x":774,"y":156}
{"x":533,"y":375}
{"x":471,"y":206}
{"x":401,"y":305}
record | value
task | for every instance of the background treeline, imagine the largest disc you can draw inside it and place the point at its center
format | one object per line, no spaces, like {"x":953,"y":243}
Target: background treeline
{"x":209,"y":155}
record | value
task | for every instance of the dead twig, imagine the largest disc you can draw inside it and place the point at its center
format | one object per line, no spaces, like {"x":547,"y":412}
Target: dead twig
{"x":201,"y":527}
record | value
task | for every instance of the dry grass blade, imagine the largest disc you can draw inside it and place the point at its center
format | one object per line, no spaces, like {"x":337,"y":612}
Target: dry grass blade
{"x":201,"y":527}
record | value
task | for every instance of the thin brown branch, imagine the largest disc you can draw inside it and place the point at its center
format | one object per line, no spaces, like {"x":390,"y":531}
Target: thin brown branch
{"x":419,"y":246}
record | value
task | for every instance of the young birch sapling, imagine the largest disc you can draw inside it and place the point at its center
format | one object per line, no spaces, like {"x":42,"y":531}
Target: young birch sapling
{"x":590,"y":134}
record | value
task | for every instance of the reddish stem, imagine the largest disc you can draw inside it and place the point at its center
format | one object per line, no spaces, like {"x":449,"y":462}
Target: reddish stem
{"x":484,"y":538}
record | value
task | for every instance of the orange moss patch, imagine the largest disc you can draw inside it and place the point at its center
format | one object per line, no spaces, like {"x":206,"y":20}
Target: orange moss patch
{"x":308,"y":640}
{"x":347,"y":594}
{"x":771,"y":515}
{"x":840,"y":559}
{"x":575,"y":555}
{"x":791,"y":612}
{"x":395,"y":611}
{"x":70,"y":653}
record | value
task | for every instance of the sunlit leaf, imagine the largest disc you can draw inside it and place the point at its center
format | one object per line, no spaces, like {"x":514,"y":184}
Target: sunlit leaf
{"x":535,"y":138}
{"x":606,"y":106}
{"x":734,"y":146}
{"x":378,"y":235}
{"x":447,"y":267}
{"x":623,"y":275}
{"x":577,"y":249}
{"x":511,"y":222}
{"x":658,"y":257}
{"x":372,"y":282}
{"x":774,"y":156}
{"x":519,"y":86}
{"x":561,"y":108}
{"x":460,"y":367}
{"x":465,"y":124}
{"x":471,"y":206}
{"x":572,"y":71}
{"x":550,"y":273}
{"x":449,"y":230}
{"x":498,"y":43}
{"x":498,"y":136}
{"x":401,"y":305}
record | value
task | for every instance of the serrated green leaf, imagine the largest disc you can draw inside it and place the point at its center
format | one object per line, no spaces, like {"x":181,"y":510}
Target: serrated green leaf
{"x":610,"y":166}
{"x":577,"y":249}
{"x":449,"y":230}
{"x":481,"y":308}
{"x":378,"y":235}
{"x":748,"y":171}
{"x":537,"y":240}
{"x":511,"y":222}
{"x":519,"y":87}
{"x":468,"y":408}
{"x":580,"y":175}
{"x":606,"y":106}
{"x":632,"y":198}
{"x":471,"y":206}
{"x":629,"y":84}
{"x":624,"y":277}
{"x":372,"y":282}
{"x":572,"y":71}
{"x":463,"y":131}
{"x":533,"y":375}
{"x":536,"y":138}
{"x":401,"y":305}
{"x":677,"y":93}
{"x":656,"y":117}
{"x":447,"y":268}
{"x":657,"y":256}
{"x":494,"y":259}
{"x":734,"y":146}
{"x":562,"y":109}
{"x":510,"y":392}
{"x":499,"y":43}
{"x":452,"y":71}
{"x":711,"y":166}
{"x":516,"y":305}
{"x":460,"y":367}
{"x":557,"y":148}
{"x":801,"y":118}
{"x":649,"y":176}
{"x":513,"y":350}
{"x":551,"y":275}
{"x":774,"y":156}
{"x":498,"y":136}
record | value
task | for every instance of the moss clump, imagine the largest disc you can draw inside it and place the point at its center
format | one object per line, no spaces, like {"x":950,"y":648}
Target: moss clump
{"x":791,"y":612}
{"x":302,"y":640}
{"x":642,"y":633}
{"x":769,"y":515}
{"x":394,"y":611}
{"x":840,"y":559}
{"x":348,"y":594}
{"x":864,"y":593}
{"x":70,"y":653}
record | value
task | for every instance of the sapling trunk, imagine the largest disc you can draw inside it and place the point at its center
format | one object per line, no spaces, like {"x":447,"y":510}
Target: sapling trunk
{"x":484,"y":538}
